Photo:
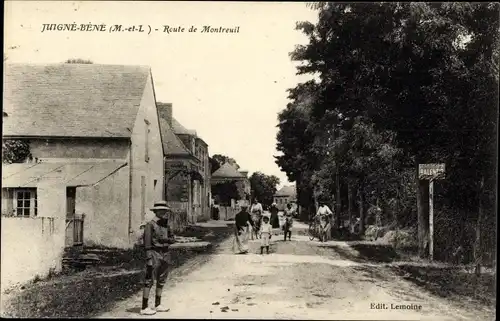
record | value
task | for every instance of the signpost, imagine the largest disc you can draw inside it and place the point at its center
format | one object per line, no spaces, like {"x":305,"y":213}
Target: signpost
{"x":431,"y":172}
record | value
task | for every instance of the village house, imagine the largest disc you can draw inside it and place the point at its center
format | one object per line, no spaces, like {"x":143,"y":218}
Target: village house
{"x":228,"y":173}
{"x":286,"y":195}
{"x":96,"y":161}
{"x":187,"y":176}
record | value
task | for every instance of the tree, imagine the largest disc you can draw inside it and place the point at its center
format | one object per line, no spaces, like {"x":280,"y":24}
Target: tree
{"x":15,"y":151}
{"x":425,"y":72}
{"x":225,"y":192}
{"x":78,"y":61}
{"x":295,"y":141}
{"x":222,"y":159}
{"x":264,"y":187}
{"x":214,"y":165}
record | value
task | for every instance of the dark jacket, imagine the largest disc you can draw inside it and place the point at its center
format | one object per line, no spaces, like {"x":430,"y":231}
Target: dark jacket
{"x":157,"y":236}
{"x":242,"y":219}
{"x":274,"y":210}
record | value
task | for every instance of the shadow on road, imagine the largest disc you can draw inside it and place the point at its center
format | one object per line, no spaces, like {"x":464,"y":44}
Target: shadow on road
{"x":364,"y":252}
{"x":449,"y":282}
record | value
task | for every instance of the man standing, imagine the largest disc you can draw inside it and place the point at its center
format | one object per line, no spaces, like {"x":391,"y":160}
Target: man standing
{"x":242,"y":221}
{"x":157,"y":240}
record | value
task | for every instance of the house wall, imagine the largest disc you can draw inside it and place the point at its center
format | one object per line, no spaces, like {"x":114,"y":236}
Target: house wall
{"x":178,"y":188}
{"x":106,"y":210}
{"x":84,"y":148}
{"x":152,"y":170}
{"x":282,"y":201}
{"x":34,"y":246}
{"x":204,"y":188}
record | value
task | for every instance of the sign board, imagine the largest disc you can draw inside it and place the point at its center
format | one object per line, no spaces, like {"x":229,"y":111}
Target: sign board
{"x":431,"y":171}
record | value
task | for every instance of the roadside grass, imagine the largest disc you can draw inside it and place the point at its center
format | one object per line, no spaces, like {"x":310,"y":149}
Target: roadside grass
{"x":450,"y":281}
{"x":87,"y":293}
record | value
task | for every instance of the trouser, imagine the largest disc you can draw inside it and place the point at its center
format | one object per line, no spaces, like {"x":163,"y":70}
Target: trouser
{"x":157,"y":268}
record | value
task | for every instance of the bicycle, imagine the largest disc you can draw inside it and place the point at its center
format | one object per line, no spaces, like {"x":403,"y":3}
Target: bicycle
{"x":313,"y":230}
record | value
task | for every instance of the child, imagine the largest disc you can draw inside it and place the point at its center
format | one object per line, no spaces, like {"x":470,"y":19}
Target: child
{"x":266,"y":230}
{"x":157,"y":240}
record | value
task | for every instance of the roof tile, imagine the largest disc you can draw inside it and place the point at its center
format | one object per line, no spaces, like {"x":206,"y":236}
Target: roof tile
{"x":72,"y":100}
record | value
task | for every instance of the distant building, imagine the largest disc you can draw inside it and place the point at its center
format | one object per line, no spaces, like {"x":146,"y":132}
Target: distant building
{"x":286,"y":195}
{"x":187,"y":176}
{"x":228,"y":173}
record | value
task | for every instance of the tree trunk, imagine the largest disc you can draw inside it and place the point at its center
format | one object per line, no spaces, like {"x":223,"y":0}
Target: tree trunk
{"x":477,"y":243}
{"x":338,"y":203}
{"x":378,"y":213}
{"x":361,"y":195}
{"x":350,"y":207}
{"x":395,"y":213}
{"x":423,"y":217}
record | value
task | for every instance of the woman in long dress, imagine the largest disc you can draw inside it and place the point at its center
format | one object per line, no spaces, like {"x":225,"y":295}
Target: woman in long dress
{"x":275,"y":221}
{"x":242,"y":222}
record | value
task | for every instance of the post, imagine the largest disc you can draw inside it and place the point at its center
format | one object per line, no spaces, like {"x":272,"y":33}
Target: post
{"x":431,"y":219}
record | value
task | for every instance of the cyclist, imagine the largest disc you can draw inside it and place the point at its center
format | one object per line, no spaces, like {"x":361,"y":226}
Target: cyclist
{"x":323,"y":215}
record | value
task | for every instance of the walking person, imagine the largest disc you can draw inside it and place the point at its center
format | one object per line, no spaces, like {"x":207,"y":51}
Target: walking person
{"x":256,"y":210}
{"x":266,"y":232}
{"x":242,"y":222}
{"x":157,"y":240}
{"x":275,"y":220}
{"x":287,"y":227}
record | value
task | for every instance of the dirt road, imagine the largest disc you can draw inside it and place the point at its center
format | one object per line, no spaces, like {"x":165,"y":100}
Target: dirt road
{"x":300,"y":279}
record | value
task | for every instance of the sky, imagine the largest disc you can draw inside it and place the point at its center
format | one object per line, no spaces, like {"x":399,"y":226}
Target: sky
{"x":229,"y":87}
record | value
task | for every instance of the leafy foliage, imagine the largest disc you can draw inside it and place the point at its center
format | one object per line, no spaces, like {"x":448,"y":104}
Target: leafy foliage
{"x":225,"y":192}
{"x":214,"y":164}
{"x":396,"y":84}
{"x":15,"y":151}
{"x":264,"y":187}
{"x":222,"y":159}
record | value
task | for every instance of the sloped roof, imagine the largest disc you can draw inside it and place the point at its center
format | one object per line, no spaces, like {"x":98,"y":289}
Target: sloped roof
{"x":227,"y":171}
{"x":286,"y":191}
{"x":179,"y":129}
{"x":172,"y":145}
{"x":72,"y":100}
{"x":66,"y":173}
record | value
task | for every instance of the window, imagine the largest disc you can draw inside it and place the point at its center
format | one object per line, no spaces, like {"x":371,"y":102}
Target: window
{"x":146,"y":143}
{"x":25,"y":202}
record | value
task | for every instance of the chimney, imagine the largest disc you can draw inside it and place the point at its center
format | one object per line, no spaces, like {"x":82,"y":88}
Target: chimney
{"x":165,"y":111}
{"x":245,"y":173}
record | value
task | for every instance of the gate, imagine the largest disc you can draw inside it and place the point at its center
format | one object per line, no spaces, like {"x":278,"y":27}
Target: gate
{"x":74,"y":230}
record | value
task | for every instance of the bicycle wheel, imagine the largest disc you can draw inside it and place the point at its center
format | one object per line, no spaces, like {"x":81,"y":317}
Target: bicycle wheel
{"x":312,"y":231}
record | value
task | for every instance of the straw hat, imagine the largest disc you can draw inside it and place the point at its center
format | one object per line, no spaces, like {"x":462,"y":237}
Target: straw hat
{"x":160,"y":205}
